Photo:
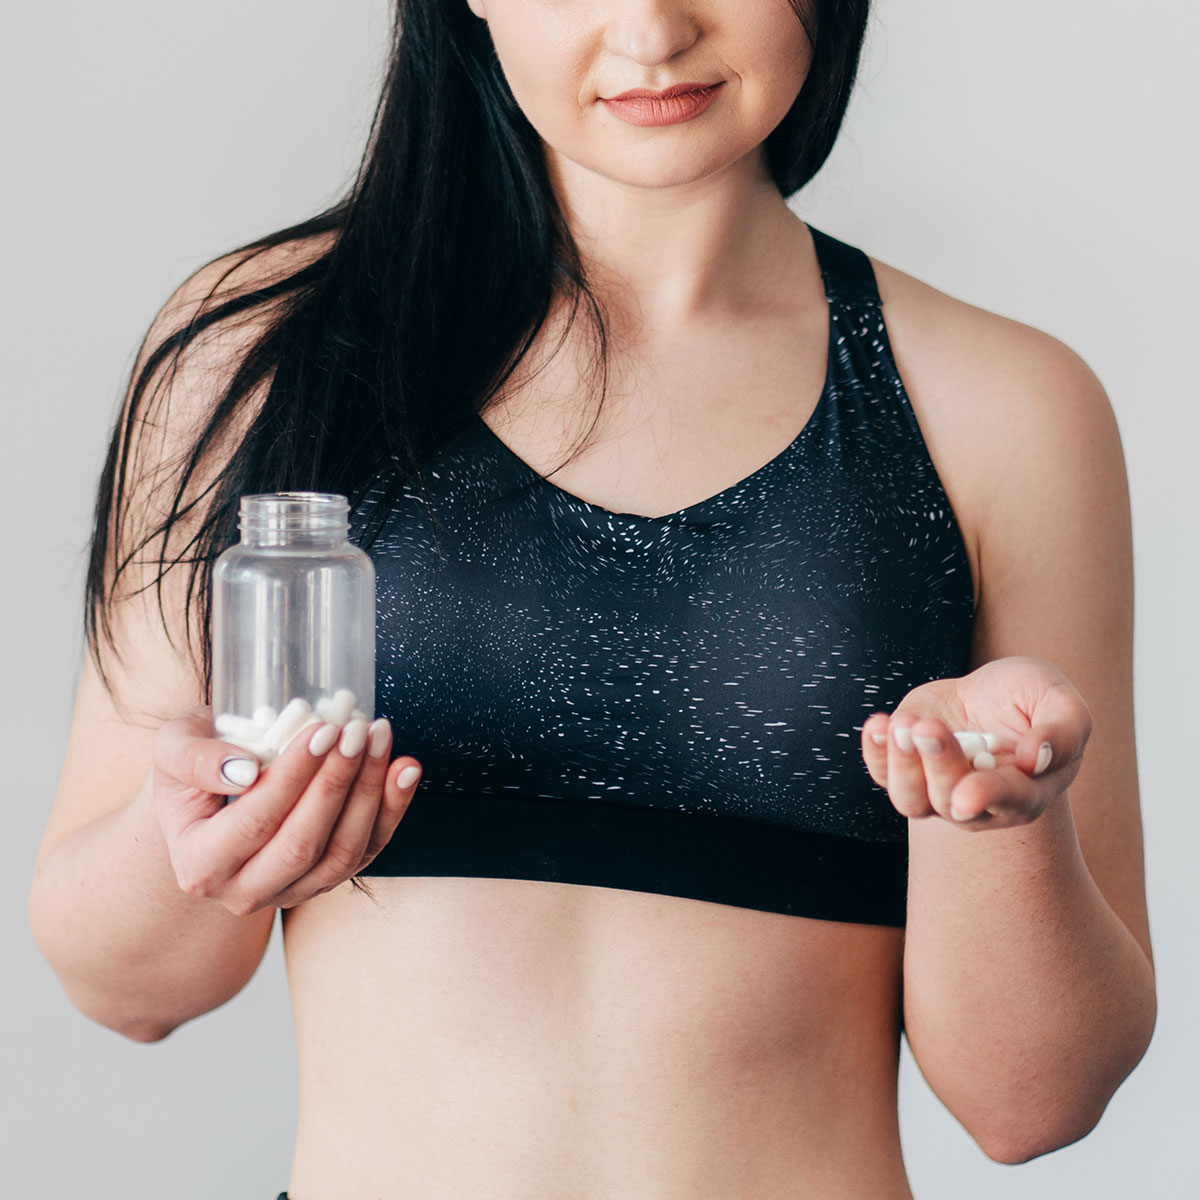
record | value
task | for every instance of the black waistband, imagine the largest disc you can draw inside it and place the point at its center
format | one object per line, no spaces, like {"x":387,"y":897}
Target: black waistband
{"x":701,"y":856}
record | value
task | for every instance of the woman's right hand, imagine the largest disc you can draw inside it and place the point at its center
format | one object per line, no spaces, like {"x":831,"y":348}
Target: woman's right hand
{"x":319,"y":814}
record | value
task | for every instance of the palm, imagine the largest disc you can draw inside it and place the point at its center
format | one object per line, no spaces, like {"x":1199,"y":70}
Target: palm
{"x":1005,"y":697}
{"x":1040,"y":723}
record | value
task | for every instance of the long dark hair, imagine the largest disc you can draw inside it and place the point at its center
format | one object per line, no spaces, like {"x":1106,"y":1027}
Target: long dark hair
{"x":440,"y":266}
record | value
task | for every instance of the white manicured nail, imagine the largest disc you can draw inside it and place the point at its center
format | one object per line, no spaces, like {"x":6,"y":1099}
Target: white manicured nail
{"x":959,"y":815}
{"x":241,"y":772}
{"x":378,"y":733}
{"x":880,"y":739}
{"x":991,"y":741}
{"x":322,"y":741}
{"x":903,"y":737}
{"x":983,"y":761}
{"x":354,"y":738}
{"x":1045,"y":754}
{"x":928,"y":745}
{"x":408,"y":777}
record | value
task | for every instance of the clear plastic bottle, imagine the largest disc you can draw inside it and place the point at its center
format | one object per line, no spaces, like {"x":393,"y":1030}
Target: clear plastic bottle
{"x":293,"y":622}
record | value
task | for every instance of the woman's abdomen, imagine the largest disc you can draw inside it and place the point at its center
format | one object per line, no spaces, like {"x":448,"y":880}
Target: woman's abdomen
{"x":509,"y":1039}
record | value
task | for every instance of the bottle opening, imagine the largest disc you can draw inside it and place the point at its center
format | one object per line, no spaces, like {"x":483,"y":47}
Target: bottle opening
{"x":275,"y":518}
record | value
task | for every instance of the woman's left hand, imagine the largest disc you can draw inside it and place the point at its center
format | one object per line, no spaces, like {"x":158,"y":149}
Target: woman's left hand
{"x":1040,"y":719}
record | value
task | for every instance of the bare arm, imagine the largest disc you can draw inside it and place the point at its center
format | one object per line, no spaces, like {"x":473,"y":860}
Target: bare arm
{"x":1028,"y":978}
{"x":133,"y":951}
{"x":152,"y":900}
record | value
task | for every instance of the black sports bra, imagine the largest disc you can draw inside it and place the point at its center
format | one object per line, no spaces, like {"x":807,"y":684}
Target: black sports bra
{"x":674,"y":704}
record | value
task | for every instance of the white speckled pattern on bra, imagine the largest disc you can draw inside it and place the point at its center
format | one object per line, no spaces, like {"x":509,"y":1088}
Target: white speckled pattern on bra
{"x":673,"y":703}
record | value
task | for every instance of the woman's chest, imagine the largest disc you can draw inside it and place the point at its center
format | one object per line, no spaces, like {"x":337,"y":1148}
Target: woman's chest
{"x":721,"y":658}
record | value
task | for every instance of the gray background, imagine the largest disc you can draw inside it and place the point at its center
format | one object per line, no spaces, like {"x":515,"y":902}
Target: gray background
{"x":1036,"y":158}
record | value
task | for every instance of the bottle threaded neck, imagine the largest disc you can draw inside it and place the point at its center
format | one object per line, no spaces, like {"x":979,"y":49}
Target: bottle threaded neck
{"x":294,"y":519}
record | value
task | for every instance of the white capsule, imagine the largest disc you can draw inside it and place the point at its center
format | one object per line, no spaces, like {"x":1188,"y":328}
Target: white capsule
{"x":239,"y":729}
{"x":972,"y":743}
{"x":261,"y":751}
{"x":983,"y":761}
{"x":294,"y":714}
{"x":341,"y":705}
{"x":265,"y":716}
{"x":310,"y":720}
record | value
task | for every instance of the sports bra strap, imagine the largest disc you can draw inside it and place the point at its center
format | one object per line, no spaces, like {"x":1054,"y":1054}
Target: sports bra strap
{"x":846,"y":270}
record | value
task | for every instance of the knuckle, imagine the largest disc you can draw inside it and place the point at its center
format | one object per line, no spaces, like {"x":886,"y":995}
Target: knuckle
{"x":196,"y":883}
{"x":299,"y":852}
{"x":342,"y":858}
{"x":337,"y":771}
{"x":255,"y":826}
{"x":242,"y":906}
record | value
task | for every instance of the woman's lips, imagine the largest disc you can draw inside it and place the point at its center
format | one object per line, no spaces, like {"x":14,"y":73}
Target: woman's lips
{"x":653,"y":110}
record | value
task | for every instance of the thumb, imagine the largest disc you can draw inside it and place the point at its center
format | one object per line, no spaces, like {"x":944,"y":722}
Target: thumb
{"x":186,"y":752}
{"x":1060,"y":726}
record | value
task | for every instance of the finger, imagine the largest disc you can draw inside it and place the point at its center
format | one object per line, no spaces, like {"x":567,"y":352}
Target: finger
{"x":943,"y":761}
{"x":186,"y":751}
{"x":396,"y":798}
{"x":1060,"y":724}
{"x":232,"y":836}
{"x":1052,"y":748}
{"x":905,"y":771}
{"x":304,"y":835}
{"x":351,"y":834}
{"x":874,"y":747}
{"x":998,"y":798}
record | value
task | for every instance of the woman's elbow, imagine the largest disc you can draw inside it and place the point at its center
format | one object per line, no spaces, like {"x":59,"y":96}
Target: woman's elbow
{"x":128,"y":1023}
{"x":1015,"y":1146}
{"x":1062,"y":1121}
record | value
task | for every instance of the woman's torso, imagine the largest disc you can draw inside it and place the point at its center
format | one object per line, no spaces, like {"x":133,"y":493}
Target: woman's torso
{"x":514,"y":1038}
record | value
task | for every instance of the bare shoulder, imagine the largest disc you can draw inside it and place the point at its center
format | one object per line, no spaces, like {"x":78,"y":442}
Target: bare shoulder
{"x":237,"y":273}
{"x":995,"y":398}
{"x":193,"y":369}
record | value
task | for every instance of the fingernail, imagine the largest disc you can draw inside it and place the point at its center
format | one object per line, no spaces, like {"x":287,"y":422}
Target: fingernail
{"x":903,"y":738}
{"x":241,"y":772}
{"x":928,"y":745}
{"x":880,"y":739}
{"x":354,"y":738}
{"x":408,"y":777}
{"x":377,"y":737}
{"x":959,"y":815}
{"x":322,"y":741}
{"x":1045,"y":754}
{"x":983,"y":761}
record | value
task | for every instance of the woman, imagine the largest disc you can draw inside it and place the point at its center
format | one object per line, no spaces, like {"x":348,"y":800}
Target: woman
{"x":692,"y":839}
